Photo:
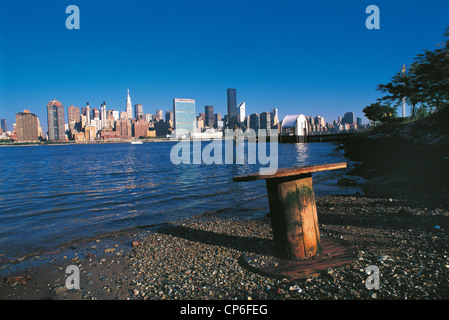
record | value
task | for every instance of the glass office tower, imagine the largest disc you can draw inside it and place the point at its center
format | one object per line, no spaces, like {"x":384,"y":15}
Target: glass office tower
{"x":184,"y":116}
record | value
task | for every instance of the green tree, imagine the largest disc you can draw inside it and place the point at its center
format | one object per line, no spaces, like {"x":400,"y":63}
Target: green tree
{"x":379,"y":112}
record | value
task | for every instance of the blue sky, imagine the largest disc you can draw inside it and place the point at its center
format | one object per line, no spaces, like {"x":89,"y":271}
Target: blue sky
{"x":310,"y":57}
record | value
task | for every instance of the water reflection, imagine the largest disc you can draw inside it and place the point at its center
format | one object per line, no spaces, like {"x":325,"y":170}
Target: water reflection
{"x":95,"y":189}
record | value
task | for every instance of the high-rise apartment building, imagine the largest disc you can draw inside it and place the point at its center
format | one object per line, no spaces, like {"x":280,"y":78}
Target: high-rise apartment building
{"x":55,"y":121}
{"x":73,"y":114}
{"x":138,"y":111}
{"x":140,"y":128}
{"x":27,"y":127}
{"x":184,"y":116}
{"x":233,"y":113}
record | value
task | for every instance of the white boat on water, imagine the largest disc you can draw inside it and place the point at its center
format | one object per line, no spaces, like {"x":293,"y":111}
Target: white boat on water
{"x":136,"y":142}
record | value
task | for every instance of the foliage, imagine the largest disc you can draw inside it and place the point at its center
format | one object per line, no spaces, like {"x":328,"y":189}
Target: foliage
{"x":424,"y":85}
{"x":379,"y":112}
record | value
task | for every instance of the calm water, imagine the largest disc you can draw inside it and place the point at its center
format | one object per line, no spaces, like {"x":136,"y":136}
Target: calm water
{"x":50,"y":195}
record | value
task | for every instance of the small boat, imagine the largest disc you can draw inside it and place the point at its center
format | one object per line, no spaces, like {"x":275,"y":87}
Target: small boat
{"x":136,"y":142}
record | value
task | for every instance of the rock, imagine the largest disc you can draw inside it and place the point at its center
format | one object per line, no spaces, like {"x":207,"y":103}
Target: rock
{"x":109,"y":250}
{"x":135,"y":243}
{"x":345,"y":182}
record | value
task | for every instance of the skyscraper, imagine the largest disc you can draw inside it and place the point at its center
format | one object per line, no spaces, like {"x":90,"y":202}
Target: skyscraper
{"x":55,"y":120}
{"x":242,"y":113}
{"x":138,"y":111}
{"x":209,"y":116}
{"x":129,"y":106}
{"x":73,"y":114}
{"x":3,"y":124}
{"x":103,"y":115}
{"x":233,"y":113}
{"x":265,"y":121}
{"x":184,"y":116}
{"x":27,"y":126}
{"x":348,"y":118}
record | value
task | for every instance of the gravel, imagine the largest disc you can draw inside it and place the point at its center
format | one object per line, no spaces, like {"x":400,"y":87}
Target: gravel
{"x":201,"y":259}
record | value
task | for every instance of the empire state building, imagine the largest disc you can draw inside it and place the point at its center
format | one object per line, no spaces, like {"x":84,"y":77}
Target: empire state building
{"x":129,"y":107}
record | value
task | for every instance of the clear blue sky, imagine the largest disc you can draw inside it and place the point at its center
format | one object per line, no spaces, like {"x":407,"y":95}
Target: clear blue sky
{"x":310,"y":57}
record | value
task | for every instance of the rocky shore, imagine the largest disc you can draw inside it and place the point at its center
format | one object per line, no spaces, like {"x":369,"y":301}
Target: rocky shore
{"x":201,"y":259}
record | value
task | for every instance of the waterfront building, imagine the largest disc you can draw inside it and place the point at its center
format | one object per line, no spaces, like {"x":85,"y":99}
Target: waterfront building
{"x":138,"y":111}
{"x":27,"y":127}
{"x":184,"y":116}
{"x":3,"y":125}
{"x":123,"y":126}
{"x":129,"y":107}
{"x":294,"y":127}
{"x":233,"y":113}
{"x":140,"y":128}
{"x":90,"y":132}
{"x":55,"y":121}
{"x":209,"y":116}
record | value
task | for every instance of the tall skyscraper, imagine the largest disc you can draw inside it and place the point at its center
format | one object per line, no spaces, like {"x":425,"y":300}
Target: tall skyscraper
{"x":274,"y":116}
{"x":55,"y":120}
{"x":103,"y":115}
{"x":265,"y":122}
{"x":184,"y":116}
{"x":242,"y":113}
{"x":3,"y":124}
{"x":348,"y":118}
{"x":209,"y":116}
{"x":138,"y":111}
{"x":233,"y":113}
{"x":129,"y":106}
{"x":27,"y":126}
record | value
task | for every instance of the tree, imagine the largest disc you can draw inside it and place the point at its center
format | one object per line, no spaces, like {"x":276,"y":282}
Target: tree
{"x":379,"y":112}
{"x":424,"y":84}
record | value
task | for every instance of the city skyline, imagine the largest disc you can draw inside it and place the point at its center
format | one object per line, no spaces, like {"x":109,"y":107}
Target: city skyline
{"x":300,"y":58}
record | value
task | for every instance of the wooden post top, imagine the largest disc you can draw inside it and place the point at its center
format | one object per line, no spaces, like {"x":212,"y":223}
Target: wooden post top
{"x":289,"y":172}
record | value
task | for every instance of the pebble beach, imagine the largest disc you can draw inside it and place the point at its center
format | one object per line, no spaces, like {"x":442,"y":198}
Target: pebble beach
{"x":201,"y":259}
